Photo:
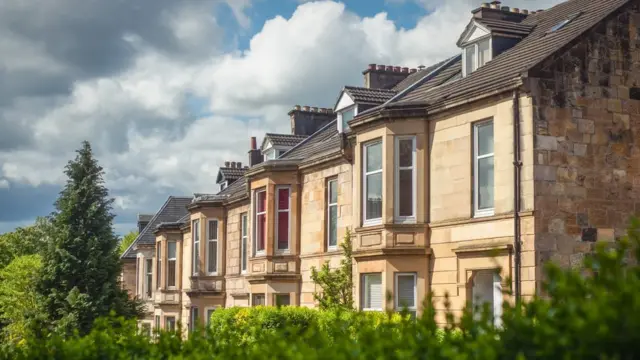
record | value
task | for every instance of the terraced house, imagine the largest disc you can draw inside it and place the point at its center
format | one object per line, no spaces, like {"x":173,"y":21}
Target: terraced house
{"x":464,"y":177}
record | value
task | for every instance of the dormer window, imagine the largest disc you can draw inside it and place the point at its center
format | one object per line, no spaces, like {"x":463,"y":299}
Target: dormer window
{"x":476,"y":55}
{"x":346,"y":115}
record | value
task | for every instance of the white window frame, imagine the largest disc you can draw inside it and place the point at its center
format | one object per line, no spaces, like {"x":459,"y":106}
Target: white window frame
{"x":217,"y":245}
{"x":341,"y":128}
{"x":476,"y":159}
{"x":206,"y":313}
{"x":148,"y":285}
{"x":414,"y":180}
{"x":175,"y":263}
{"x":256,"y":193}
{"x":365,"y":147}
{"x":195,"y":234}
{"x":397,"y":304}
{"x":277,"y":218}
{"x":476,"y":58}
{"x":244,"y":240}
{"x":329,"y":206}
{"x":363,"y":291}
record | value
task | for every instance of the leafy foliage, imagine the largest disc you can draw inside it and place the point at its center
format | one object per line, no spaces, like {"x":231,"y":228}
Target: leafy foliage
{"x":23,"y":241}
{"x":81,"y":266}
{"x":336,"y":285}
{"x":126,"y":241}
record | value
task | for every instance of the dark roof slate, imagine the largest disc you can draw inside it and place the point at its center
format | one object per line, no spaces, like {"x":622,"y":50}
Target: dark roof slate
{"x":230,"y":174}
{"x":506,"y":27}
{"x":324,"y":140}
{"x":282,"y":139}
{"x":507,"y":68}
{"x":412,"y":78}
{"x":173,"y":209}
{"x":366,"y":95}
{"x":235,"y":191}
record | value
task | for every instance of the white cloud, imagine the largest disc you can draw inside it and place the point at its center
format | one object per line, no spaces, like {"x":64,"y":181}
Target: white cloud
{"x":4,"y":184}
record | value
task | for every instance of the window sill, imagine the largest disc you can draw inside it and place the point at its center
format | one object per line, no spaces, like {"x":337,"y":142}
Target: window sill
{"x":405,"y":220}
{"x":484,"y":213}
{"x":374,"y":222}
{"x":379,"y":310}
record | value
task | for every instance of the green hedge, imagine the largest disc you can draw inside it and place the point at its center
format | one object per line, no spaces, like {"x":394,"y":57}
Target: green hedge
{"x":590,"y":313}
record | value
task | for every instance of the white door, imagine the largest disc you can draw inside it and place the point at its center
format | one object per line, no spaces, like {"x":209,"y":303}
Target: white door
{"x":487,"y":289}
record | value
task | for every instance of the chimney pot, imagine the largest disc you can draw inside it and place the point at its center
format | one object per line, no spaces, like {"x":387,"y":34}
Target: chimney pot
{"x":405,"y":69}
{"x":484,"y":5}
{"x":372,"y":66}
{"x":495,"y":4}
{"x":397,"y":69}
{"x":306,"y":108}
{"x":516,"y":10}
{"x":239,"y":165}
{"x":505,"y":8}
{"x":381,"y":67}
{"x":297,"y":107}
{"x":253,"y":143}
{"x":233,"y":164}
{"x":226,"y":164}
{"x":540,"y":10}
{"x":314,"y":109}
{"x":421,"y":67}
{"x":413,"y":70}
{"x":525,"y":11}
{"x":388,"y":68}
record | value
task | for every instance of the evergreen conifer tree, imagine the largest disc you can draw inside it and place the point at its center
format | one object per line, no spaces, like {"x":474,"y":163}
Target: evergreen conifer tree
{"x":80,"y":266}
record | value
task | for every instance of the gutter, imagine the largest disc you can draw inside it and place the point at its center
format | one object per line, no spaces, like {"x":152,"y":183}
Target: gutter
{"x":517,"y":168}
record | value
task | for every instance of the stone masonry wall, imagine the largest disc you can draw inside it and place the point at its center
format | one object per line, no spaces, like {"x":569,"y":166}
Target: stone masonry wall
{"x":587,"y":148}
{"x":235,"y":281}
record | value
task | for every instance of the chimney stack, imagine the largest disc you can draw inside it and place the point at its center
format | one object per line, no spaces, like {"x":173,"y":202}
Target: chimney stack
{"x":255,"y":155}
{"x":306,"y":120}
{"x":233,"y":164}
{"x":226,"y":164}
{"x":495,"y":11}
{"x":239,"y":165}
{"x":384,"y":76}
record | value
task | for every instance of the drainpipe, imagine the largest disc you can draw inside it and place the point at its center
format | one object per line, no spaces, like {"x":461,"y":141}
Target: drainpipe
{"x":517,"y":167}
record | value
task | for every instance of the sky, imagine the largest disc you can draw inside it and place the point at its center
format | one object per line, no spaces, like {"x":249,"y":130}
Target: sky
{"x":167,"y":90}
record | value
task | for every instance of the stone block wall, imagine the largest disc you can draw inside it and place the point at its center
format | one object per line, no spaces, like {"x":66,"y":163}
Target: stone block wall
{"x":587,"y":153}
{"x":235,"y":282}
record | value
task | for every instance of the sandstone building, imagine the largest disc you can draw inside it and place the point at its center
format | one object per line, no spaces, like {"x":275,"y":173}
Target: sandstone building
{"x":518,"y":150}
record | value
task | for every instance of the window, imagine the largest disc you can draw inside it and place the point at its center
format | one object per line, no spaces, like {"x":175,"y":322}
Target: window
{"x":282,"y":299}
{"x":149,"y":277}
{"x":483,"y":168}
{"x":243,"y":242}
{"x":282,"y":228}
{"x":269,"y":154}
{"x":346,"y":116}
{"x":406,"y":293}
{"x":171,"y":264}
{"x":138,"y":271}
{"x":258,"y":300}
{"x":195,"y":230}
{"x":281,"y":152}
{"x":170,"y":323}
{"x":372,"y":292}
{"x":157,"y":322}
{"x":146,"y":329}
{"x":260,"y":220}
{"x":476,"y":55}
{"x":487,"y":289}
{"x":193,"y":318}
{"x":159,"y":264}
{"x":209,"y":312}
{"x":212,"y":247}
{"x":564,"y":22}
{"x":332,"y":214}
{"x":405,"y":179}
{"x":372,"y":187}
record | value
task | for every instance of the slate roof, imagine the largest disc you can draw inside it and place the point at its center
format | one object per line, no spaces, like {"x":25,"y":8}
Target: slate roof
{"x":412,"y":78}
{"x":235,"y":191}
{"x":173,"y":210}
{"x":282,"y":139}
{"x":229,"y":174}
{"x":507,"y":68}
{"x":506,"y":27}
{"x":323,"y":141}
{"x":366,"y":95}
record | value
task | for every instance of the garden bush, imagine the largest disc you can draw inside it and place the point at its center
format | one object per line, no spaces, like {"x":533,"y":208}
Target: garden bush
{"x":588,"y":313}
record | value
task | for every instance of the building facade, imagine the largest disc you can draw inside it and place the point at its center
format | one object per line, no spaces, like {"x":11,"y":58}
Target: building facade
{"x":462,"y":178}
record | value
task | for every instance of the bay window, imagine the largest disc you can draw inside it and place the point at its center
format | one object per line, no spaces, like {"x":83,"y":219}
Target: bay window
{"x":371,"y":294}
{"x":405,"y":179}
{"x":476,"y":55}
{"x":195,"y":231}
{"x":283,"y":217}
{"x":212,"y":247}
{"x":171,"y":264}
{"x":332,"y":214}
{"x":243,"y":242}
{"x":260,"y":206}
{"x":483,"y":168}
{"x":406,"y":292}
{"x":149,"y":277}
{"x":159,"y":265}
{"x":372,"y":183}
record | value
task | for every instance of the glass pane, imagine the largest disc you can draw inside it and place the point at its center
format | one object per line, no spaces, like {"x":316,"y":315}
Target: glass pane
{"x":283,"y":230}
{"x":244,"y":253}
{"x":213,"y":229}
{"x":196,"y":259}
{"x":261,"y":200}
{"x":171,"y":273}
{"x":406,"y":291}
{"x":485,"y":183}
{"x":212,"y":266}
{"x":209,"y":314}
{"x":171,"y":251}
{"x":283,"y":199}
{"x":405,"y":193}
{"x":374,"y":196}
{"x":244,"y":224}
{"x":470,"y":55}
{"x":405,"y":152}
{"x":195,"y":229}
{"x":374,"y":157}
{"x":260,"y":232}
{"x":333,"y":225}
{"x":346,"y":117}
{"x":372,"y":291}
{"x":283,"y":300}
{"x":484,"y":52}
{"x":333,"y":191}
{"x":485,"y":138}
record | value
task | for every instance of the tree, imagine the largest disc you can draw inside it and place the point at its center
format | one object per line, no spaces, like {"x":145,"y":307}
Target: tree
{"x":23,"y":241}
{"x":127,"y":240}
{"x":336,"y":284}
{"x":18,"y":298}
{"x":81,"y":266}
